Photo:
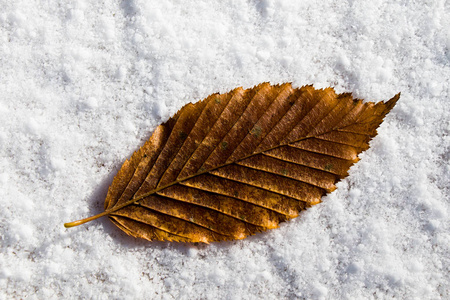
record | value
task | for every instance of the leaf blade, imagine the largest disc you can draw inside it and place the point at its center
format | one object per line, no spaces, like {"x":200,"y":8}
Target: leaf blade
{"x":240,"y":163}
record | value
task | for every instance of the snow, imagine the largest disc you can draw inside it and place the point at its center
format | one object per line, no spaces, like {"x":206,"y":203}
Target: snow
{"x":84,"y":83}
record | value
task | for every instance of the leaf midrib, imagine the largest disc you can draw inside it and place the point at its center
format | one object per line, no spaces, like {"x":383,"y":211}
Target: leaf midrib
{"x":134,"y":200}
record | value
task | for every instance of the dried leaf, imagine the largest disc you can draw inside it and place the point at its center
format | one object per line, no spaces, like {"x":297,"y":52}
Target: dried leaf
{"x":239,"y":163}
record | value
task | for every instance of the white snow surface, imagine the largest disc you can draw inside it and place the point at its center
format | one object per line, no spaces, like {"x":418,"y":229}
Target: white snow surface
{"x":84,"y":83}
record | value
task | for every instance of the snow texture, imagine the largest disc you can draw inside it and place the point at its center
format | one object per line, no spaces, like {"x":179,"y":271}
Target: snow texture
{"x":84,"y":83}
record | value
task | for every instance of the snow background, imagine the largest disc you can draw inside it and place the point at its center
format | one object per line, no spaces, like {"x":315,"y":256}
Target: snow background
{"x":84,"y":83}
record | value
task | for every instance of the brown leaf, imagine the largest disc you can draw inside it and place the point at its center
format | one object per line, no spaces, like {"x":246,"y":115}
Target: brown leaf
{"x":239,"y":163}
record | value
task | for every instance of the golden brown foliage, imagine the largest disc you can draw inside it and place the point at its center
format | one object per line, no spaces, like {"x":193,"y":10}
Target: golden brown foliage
{"x":239,"y":163}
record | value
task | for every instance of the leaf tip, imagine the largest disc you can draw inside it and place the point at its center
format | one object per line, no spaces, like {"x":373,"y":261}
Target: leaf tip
{"x":391,"y":102}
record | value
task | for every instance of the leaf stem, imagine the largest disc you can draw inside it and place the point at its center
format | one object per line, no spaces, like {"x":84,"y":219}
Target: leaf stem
{"x":82,"y":221}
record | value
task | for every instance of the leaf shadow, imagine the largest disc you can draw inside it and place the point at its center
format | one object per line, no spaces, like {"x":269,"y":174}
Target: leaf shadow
{"x":97,"y":198}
